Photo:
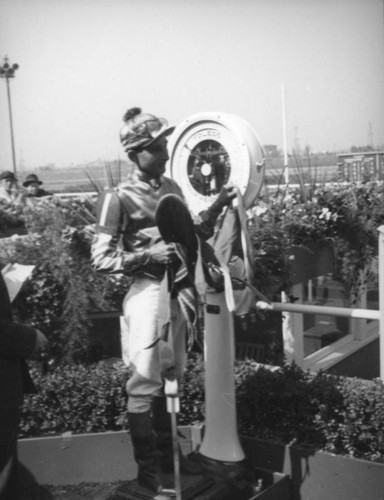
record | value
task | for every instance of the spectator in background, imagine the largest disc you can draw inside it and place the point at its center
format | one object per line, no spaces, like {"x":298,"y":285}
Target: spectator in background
{"x":32,"y":187}
{"x":17,"y":341}
{"x":9,"y":191}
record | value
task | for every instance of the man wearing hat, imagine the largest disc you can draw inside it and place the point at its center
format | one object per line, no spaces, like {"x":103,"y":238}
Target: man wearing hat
{"x":32,"y":186}
{"x":128,"y":241}
{"x":17,"y":342}
{"x":8,"y":187}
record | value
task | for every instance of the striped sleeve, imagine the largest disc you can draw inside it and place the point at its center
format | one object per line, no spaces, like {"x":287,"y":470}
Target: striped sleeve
{"x":107,"y":253}
{"x":108,"y":213}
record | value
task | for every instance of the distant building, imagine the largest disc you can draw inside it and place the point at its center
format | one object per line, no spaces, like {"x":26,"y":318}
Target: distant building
{"x":46,"y":168}
{"x":271,"y":151}
{"x":361,"y":166}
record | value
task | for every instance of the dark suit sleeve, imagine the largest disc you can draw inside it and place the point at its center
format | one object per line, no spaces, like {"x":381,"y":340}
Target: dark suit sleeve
{"x":16,"y":340}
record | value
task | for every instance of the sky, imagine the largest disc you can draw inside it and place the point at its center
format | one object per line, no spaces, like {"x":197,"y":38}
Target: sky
{"x":83,"y":63}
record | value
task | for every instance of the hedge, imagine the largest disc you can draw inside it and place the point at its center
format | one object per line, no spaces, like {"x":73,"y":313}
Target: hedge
{"x":287,"y":405}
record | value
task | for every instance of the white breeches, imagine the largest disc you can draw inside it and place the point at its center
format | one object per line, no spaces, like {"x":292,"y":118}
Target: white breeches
{"x":145,"y":306}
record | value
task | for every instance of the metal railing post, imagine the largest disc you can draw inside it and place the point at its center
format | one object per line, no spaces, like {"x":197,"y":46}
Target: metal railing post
{"x":359,"y":326}
{"x":293,"y":330}
{"x":381,"y":299}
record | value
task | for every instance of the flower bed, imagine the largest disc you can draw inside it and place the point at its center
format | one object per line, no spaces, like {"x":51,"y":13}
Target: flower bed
{"x":348,"y":215}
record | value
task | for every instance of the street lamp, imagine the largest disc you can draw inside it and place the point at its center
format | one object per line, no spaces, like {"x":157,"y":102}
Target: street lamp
{"x":7,"y":71}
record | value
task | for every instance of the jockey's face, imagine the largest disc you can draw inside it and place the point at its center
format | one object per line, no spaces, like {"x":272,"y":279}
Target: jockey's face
{"x":153,"y":158}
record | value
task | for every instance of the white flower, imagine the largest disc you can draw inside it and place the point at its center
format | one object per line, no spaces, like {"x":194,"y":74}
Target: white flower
{"x":334,"y":217}
{"x":325,"y":214}
{"x":259,"y":210}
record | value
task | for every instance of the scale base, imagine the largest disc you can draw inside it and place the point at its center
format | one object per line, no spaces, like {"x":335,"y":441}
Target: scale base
{"x":236,"y":477}
{"x":227,"y":482}
{"x":192,"y":487}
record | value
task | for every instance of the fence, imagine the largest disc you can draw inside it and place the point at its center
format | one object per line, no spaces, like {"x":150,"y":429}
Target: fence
{"x":294,"y":336}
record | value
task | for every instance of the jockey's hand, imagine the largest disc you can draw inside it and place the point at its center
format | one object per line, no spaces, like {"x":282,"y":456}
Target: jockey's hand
{"x":163,"y":253}
{"x":227,"y":193}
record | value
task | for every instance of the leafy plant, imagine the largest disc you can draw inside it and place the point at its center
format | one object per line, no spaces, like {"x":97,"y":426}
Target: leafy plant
{"x":347,"y":215}
{"x":11,"y":217}
{"x":64,"y":286}
{"x":322,"y":411}
{"x":192,"y":398}
{"x":77,"y":398}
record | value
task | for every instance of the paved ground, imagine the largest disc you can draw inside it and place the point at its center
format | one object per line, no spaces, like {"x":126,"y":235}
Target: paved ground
{"x":84,"y":491}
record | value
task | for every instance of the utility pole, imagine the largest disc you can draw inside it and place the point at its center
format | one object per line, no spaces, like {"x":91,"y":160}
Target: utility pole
{"x":296,"y":142}
{"x":286,"y":173}
{"x":370,"y":135}
{"x":7,"y":71}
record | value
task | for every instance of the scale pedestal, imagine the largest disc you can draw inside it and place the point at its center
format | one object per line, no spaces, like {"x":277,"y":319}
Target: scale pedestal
{"x":221,"y":454}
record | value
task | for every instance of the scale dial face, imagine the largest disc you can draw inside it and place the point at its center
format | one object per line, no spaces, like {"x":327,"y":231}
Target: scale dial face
{"x":208,"y":167}
{"x":208,"y":151}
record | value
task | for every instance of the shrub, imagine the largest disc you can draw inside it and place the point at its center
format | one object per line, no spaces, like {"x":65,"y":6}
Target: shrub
{"x":92,"y":398}
{"x":11,"y":217}
{"x":76,"y":398}
{"x":322,"y":411}
{"x":64,"y":287}
{"x":192,"y":400}
{"x":360,"y":430}
{"x":286,"y":405}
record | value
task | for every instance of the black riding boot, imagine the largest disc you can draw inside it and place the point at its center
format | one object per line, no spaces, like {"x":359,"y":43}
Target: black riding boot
{"x":163,"y":428}
{"x":145,"y":451}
